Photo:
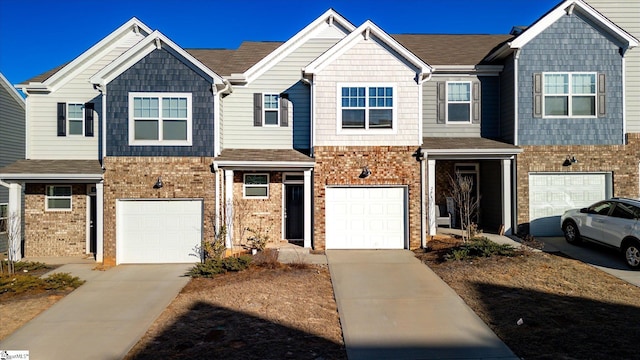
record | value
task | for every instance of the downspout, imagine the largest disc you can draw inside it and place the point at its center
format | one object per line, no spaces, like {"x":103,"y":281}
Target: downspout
{"x":423,"y":201}
{"x":516,"y":56}
{"x":216,"y":174}
{"x":216,"y":104}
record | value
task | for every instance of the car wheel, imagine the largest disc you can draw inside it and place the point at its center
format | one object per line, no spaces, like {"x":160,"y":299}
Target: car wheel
{"x":631,"y":253}
{"x":571,"y":233}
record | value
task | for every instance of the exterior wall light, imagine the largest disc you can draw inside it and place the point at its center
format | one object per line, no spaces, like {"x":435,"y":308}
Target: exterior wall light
{"x":158,"y":184}
{"x":365,"y":172}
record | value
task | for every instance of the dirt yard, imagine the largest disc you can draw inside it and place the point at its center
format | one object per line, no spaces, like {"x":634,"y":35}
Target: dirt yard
{"x":569,"y":310}
{"x":287,"y":312}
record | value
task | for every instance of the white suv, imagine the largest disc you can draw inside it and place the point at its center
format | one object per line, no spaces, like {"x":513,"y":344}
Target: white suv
{"x":614,"y":222}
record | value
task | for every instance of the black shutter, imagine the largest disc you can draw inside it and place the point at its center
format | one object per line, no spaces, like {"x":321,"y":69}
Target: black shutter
{"x":475,"y":103}
{"x":441,"y":102}
{"x":537,"y":95}
{"x":257,"y":109}
{"x":88,"y":119}
{"x":284,"y":112}
{"x":62,"y":119}
{"x":602,"y":95}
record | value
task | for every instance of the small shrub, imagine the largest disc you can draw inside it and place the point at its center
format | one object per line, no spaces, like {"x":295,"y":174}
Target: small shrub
{"x":61,"y":281}
{"x":267,"y":259}
{"x":480,"y":247}
{"x":212,"y":267}
{"x":18,"y":284}
{"x":236,"y":263}
{"x":21,"y":266}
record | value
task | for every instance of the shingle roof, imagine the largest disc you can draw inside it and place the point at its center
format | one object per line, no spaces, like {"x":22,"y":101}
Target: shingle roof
{"x":45,"y":75}
{"x":227,"y":62}
{"x":471,"y":143}
{"x":441,"y":49}
{"x":86,"y":167}
{"x":275,"y":155}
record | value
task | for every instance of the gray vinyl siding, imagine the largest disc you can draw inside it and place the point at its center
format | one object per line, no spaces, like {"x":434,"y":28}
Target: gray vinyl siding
{"x":507,"y":108}
{"x":571,"y":44}
{"x":489,"y":125}
{"x":284,"y":77}
{"x":160,"y":71}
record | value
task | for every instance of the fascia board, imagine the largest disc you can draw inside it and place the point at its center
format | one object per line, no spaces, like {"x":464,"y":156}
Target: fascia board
{"x":353,"y":38}
{"x":444,"y":70}
{"x":105,"y":42}
{"x":561,"y":10}
{"x":472,"y":152}
{"x":11,"y":90}
{"x":293,"y":43}
{"x":264,"y":164}
{"x":56,"y":177}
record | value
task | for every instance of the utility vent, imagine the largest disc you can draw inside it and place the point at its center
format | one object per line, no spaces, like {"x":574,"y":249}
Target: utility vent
{"x":517,"y":30}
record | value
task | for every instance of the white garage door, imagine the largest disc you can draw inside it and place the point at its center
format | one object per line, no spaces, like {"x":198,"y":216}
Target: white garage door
{"x":365,"y":218}
{"x":158,"y":231}
{"x":550,"y":194}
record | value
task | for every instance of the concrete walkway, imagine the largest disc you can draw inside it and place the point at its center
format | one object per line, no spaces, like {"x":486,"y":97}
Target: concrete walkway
{"x":103,"y":318}
{"x":393,"y":307}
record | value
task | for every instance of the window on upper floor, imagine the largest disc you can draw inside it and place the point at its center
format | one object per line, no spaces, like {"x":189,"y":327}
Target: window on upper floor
{"x":160,"y":119}
{"x":4,"y":218}
{"x":256,"y":186}
{"x":270,"y":110}
{"x":366,"y":107}
{"x":75,"y":119}
{"x":458,"y":102}
{"x":58,"y":197}
{"x":569,"y":94}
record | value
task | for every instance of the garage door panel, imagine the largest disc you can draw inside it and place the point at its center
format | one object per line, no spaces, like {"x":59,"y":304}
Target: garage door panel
{"x":163,"y":231}
{"x":550,"y":195}
{"x":365,"y":218}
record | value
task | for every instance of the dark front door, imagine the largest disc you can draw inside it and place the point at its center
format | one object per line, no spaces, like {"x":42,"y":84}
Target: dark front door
{"x":92,"y":225}
{"x":294,"y":212}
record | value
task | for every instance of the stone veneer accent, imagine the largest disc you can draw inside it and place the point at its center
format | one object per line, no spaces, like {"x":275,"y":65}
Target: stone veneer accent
{"x":54,"y":233}
{"x":261,"y":215}
{"x":621,"y":160}
{"x":389,"y":165}
{"x":134,"y":177}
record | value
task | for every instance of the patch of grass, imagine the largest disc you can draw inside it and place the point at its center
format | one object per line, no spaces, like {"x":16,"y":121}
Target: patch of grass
{"x":479,"y":247}
{"x":25,"y":266}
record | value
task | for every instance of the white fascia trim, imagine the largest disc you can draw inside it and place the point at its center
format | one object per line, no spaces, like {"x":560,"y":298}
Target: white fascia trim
{"x":265,"y":164}
{"x":142,"y":49}
{"x":12,"y":90}
{"x":132,"y":25}
{"x":444,"y":70}
{"x":561,"y":10}
{"x":365,"y":31}
{"x":291,"y":45}
{"x":474,"y":152}
{"x":88,"y":177}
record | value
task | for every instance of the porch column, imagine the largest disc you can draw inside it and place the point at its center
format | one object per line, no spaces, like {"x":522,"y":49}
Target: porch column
{"x":100,"y":221}
{"x":431,"y":195}
{"x":14,"y":212}
{"x":307,"y":208}
{"x":506,"y":196}
{"x":228,"y":214}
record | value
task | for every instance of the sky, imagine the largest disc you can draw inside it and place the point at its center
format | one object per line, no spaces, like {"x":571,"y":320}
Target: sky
{"x":38,"y":35}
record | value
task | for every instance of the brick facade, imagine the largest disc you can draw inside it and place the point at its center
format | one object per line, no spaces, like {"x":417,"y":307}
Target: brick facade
{"x":259,"y":215}
{"x":134,"y":177}
{"x":620,"y":160}
{"x":389,"y":165}
{"x":54,"y":233}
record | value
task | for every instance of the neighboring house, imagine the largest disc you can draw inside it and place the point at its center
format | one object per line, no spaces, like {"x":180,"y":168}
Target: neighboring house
{"x":343,"y":136}
{"x":12,"y":110}
{"x":568,"y":69}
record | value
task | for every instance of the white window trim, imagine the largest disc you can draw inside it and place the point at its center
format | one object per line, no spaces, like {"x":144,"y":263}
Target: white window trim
{"x":265,"y":110}
{"x":244,"y":186}
{"x":47,"y":197}
{"x":160,"y":96}
{"x":470,"y":102}
{"x":366,"y":130}
{"x":69,"y":119}
{"x":6,"y":218}
{"x":570,"y":95}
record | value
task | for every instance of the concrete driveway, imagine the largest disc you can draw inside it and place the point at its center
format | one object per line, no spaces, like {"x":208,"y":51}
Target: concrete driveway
{"x":392,"y":306}
{"x":103,"y":318}
{"x":605,"y":259}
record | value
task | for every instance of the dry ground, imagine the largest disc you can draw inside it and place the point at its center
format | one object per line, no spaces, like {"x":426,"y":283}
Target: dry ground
{"x":285,"y":312}
{"x":569,"y":310}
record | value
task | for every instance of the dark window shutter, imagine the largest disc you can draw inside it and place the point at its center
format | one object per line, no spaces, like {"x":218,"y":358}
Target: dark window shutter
{"x":537,"y":95}
{"x":257,"y":109}
{"x":475,"y":102}
{"x":284,"y":112}
{"x":62,"y":119}
{"x":88,"y":119}
{"x":602,"y":95}
{"x":441,"y":102}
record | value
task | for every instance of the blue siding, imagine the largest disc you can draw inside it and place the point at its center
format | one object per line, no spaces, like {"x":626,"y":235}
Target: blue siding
{"x":570,"y":44}
{"x":489,"y":101}
{"x":160,"y":71}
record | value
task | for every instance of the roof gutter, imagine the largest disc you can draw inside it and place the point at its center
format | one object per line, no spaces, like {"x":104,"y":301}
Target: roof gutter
{"x":263,"y":164}
{"x":89,"y":177}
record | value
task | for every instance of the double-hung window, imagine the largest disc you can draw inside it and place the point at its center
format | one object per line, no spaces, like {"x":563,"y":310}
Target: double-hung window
{"x":256,"y":186}
{"x":160,"y":119}
{"x":271,"y":109}
{"x":75,"y":119}
{"x":4,"y":218}
{"x":366,"y":107}
{"x":58,"y":197}
{"x":569,"y":94}
{"x":459,"y":102}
